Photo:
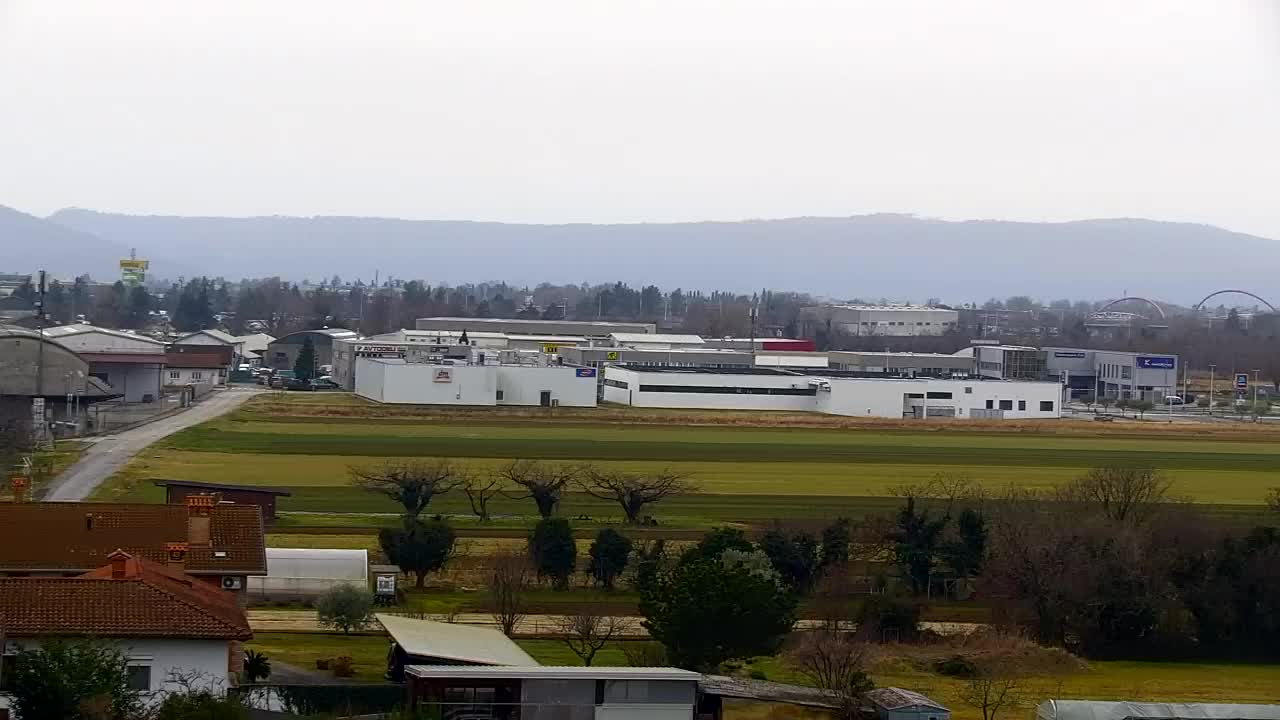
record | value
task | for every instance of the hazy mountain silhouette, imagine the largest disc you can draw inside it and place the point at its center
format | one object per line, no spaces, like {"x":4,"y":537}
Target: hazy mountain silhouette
{"x":872,"y":256}
{"x":29,"y":243}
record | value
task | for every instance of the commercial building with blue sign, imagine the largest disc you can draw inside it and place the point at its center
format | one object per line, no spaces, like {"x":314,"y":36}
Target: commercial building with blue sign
{"x":1117,"y":375}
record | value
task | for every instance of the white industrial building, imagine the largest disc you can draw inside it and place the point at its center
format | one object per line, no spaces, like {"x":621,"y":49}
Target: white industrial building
{"x":1113,"y":374}
{"x":830,"y":392}
{"x":132,"y":365}
{"x":879,"y":320}
{"x":393,"y":380}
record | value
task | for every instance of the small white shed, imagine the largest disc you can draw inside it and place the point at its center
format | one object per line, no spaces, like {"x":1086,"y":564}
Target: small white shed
{"x":308,"y":573}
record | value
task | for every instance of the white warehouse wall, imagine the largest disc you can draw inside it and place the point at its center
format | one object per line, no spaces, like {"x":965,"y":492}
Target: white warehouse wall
{"x":419,"y":384}
{"x":866,"y":397}
{"x":396,"y":381}
{"x":632,"y":395}
{"x":856,"y":397}
{"x":369,"y":378}
{"x":522,"y":385}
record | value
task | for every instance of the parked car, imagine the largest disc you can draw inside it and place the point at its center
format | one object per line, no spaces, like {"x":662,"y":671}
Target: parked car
{"x":1172,"y":400}
{"x":325,"y":383}
{"x":297,"y":384}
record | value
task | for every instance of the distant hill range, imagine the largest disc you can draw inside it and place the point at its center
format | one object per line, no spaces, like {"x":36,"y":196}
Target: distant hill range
{"x":870,"y":256}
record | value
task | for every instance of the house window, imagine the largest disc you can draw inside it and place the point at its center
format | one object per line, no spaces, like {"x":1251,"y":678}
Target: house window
{"x":1022,"y":404}
{"x":174,"y":374}
{"x":1046,"y":406}
{"x":991,"y":404}
{"x":968,"y":391}
{"x":1006,"y":404}
{"x":139,"y":678}
{"x":197,"y":375}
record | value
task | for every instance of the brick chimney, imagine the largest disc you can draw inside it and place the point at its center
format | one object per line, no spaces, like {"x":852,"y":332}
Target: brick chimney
{"x":199,"y":510}
{"x":18,"y":483}
{"x":119,"y":564}
{"x":176,"y":554}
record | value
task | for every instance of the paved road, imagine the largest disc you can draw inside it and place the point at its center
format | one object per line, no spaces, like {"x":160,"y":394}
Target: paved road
{"x":308,"y":621}
{"x":110,"y":452}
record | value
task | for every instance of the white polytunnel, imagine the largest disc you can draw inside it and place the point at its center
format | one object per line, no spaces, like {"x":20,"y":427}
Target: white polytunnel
{"x":307,"y":573}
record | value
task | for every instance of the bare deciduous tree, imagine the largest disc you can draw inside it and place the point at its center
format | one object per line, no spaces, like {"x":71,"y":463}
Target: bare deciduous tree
{"x":1124,"y":494}
{"x":1273,"y":499}
{"x":991,"y":690}
{"x":508,"y":581}
{"x":836,"y":662}
{"x":480,"y":489}
{"x":412,"y":485}
{"x":586,"y":632}
{"x":632,"y":491}
{"x":544,"y":483}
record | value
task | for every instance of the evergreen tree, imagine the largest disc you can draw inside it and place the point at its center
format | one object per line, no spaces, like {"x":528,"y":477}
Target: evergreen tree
{"x":553,"y":551}
{"x":609,"y":553}
{"x":304,"y":368}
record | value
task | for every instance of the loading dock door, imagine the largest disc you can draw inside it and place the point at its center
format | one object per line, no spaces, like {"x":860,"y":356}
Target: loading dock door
{"x":545,"y":399}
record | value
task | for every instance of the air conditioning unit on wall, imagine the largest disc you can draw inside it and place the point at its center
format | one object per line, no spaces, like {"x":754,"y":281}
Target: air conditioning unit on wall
{"x":232,"y":582}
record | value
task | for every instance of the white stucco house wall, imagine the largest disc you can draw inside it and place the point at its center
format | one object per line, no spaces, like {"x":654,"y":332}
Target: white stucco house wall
{"x":177,"y":632}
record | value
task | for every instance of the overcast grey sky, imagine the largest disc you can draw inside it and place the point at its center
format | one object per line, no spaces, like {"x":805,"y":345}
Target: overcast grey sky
{"x":613,"y":110}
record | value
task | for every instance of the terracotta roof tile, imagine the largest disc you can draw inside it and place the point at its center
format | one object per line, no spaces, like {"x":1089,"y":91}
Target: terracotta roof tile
{"x":147,"y":601}
{"x":80,"y":536}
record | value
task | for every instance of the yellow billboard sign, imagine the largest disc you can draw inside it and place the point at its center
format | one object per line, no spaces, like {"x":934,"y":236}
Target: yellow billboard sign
{"x":133,"y":264}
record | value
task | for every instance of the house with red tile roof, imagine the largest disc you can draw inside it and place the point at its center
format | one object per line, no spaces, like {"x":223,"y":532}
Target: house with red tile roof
{"x":168,"y":624}
{"x":225,"y":540}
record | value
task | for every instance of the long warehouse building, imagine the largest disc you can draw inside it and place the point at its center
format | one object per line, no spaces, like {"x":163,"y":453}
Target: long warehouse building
{"x":830,"y":392}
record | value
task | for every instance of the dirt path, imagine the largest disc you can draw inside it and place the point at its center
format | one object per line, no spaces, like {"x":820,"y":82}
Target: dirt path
{"x":109,"y":453}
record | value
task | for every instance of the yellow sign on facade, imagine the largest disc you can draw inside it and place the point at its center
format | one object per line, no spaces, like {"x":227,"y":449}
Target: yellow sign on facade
{"x":611,"y":355}
{"x":550,"y":347}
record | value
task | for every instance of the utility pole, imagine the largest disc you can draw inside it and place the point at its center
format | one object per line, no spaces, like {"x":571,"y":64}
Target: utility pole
{"x":1255,"y":391}
{"x":1212,"y":367}
{"x":40,"y":353}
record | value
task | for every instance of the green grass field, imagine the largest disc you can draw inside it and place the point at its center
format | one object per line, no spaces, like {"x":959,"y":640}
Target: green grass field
{"x":739,"y":473}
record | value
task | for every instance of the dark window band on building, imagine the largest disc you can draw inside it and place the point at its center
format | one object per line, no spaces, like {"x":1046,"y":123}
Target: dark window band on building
{"x":616,"y":383}
{"x":711,"y":390}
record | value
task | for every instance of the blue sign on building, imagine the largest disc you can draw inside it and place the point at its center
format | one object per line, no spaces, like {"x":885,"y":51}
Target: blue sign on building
{"x":1242,"y":381}
{"x":1156,"y":363}
{"x":586,"y":372}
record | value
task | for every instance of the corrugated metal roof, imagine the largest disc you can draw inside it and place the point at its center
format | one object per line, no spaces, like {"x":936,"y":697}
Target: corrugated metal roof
{"x":552,"y":672}
{"x":1109,"y":710}
{"x":60,"y":331}
{"x":656,"y":338}
{"x":892,"y":698}
{"x":451,"y":641}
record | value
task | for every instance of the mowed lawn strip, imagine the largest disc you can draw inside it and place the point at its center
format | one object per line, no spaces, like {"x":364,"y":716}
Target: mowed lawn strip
{"x":703,"y":445}
{"x":800,"y":482}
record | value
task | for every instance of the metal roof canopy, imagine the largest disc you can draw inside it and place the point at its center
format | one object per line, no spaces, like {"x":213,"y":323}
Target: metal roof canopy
{"x":551,"y":672}
{"x":450,"y":641}
{"x":1112,"y":710}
